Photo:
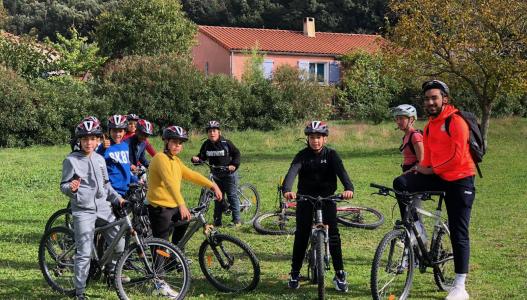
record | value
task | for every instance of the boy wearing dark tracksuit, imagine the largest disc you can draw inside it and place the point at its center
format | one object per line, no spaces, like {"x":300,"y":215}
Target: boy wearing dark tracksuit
{"x":85,"y":182}
{"x":318,"y":168}
{"x":447,"y":166}
{"x":222,"y":152}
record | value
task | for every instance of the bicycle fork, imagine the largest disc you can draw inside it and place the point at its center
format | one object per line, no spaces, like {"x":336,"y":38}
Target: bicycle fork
{"x":319,"y":226}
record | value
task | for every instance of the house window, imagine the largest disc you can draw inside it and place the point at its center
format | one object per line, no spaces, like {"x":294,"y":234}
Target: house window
{"x":318,"y":72}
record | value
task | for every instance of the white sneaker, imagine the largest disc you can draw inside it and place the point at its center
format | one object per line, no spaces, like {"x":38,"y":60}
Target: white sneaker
{"x":163,"y":289}
{"x":457,"y":293}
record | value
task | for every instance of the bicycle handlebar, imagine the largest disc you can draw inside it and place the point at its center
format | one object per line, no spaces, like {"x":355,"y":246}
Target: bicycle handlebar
{"x":334,"y":198}
{"x":385,"y":191}
{"x":212,"y":167}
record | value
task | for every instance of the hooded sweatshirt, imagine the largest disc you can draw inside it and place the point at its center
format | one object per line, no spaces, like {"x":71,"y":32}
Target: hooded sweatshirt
{"x":95,"y":190}
{"x":448,"y":155}
{"x":117,"y":159}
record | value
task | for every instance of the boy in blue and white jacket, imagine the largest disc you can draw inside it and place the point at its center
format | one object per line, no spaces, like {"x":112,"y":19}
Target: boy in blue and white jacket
{"x":116,"y":153}
{"x":85,"y":182}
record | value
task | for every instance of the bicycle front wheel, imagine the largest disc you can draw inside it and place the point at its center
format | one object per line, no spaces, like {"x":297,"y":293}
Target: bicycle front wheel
{"x":277,"y":223}
{"x":56,"y":254}
{"x":61,"y":217}
{"x":392,"y":267}
{"x":162,"y":272}
{"x":319,"y":260}
{"x":359,"y":217}
{"x":444,"y":273}
{"x":229,"y":264}
{"x":249,"y":202}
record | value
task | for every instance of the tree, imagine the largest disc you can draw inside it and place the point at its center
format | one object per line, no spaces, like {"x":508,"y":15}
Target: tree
{"x":3,"y":16}
{"x":481,"y":45}
{"x":138,"y":27}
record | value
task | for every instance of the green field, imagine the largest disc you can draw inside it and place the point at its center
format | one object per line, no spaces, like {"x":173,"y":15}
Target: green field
{"x":29,"y":185}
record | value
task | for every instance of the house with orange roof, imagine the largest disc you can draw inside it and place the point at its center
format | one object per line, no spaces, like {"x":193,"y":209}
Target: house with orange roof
{"x":226,"y":49}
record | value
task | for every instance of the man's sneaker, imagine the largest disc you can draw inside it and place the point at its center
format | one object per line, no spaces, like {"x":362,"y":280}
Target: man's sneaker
{"x":163,"y":289}
{"x":217,"y":223}
{"x":457,"y":293}
{"x":340,"y":282}
{"x":294,"y":280}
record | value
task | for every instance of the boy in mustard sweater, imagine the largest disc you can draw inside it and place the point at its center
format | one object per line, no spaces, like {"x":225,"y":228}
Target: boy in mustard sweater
{"x":164,"y":196}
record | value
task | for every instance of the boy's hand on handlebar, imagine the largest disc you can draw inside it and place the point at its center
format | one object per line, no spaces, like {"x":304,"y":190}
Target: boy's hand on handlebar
{"x":290,"y":195}
{"x":195,"y":159}
{"x":122,"y":202}
{"x":347,"y":194}
{"x":184,"y":212}
{"x":217,"y":192}
{"x":231,"y":168}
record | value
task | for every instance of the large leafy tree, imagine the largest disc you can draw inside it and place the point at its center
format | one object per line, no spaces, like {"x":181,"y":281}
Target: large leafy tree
{"x":138,"y":27}
{"x":335,"y":15}
{"x":46,"y":18}
{"x":479,"y":45}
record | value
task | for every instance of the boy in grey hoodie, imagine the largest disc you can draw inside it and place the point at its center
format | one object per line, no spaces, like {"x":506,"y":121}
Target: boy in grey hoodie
{"x":85,"y":182}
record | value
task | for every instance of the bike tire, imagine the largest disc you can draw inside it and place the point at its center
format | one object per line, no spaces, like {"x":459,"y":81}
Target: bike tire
{"x":444,"y":273}
{"x":276,"y":223}
{"x":61,"y":217}
{"x":55,"y":259}
{"x":389,"y":262}
{"x":241,"y":271}
{"x":170,"y":267}
{"x":319,"y":260}
{"x":249,"y":202}
{"x":359,"y":217}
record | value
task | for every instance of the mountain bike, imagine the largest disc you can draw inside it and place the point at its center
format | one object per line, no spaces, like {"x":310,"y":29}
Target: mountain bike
{"x":283,"y":221}
{"x":404,"y":248}
{"x":317,"y":255}
{"x":247,"y":194}
{"x":228,"y":263}
{"x":148,"y":266}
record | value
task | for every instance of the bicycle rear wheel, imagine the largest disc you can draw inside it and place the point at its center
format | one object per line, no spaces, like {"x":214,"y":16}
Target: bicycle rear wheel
{"x":249,"y":202}
{"x":56,"y":252}
{"x":444,"y":273}
{"x":229,"y":264}
{"x":392,"y":267}
{"x":61,"y":217}
{"x":162,"y":273}
{"x":359,"y":217}
{"x":277,"y":223}
{"x":319,"y":260}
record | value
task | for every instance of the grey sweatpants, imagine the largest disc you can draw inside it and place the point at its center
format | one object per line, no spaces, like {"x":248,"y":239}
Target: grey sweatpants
{"x":84,"y":223}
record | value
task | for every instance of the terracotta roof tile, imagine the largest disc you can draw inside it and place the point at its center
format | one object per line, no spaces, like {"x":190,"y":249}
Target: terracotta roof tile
{"x":272,"y":40}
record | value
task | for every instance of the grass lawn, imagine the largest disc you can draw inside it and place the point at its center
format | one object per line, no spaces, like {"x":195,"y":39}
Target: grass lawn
{"x":29,"y":181}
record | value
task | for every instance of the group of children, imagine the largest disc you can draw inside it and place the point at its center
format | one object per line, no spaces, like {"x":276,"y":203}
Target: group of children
{"x":98,"y":175}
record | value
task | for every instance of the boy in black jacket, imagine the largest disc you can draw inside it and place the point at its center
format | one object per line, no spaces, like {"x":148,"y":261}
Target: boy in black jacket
{"x":222,"y":152}
{"x":317,"y":167}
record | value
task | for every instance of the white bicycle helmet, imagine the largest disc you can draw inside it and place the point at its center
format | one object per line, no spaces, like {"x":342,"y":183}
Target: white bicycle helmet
{"x":404,"y":110}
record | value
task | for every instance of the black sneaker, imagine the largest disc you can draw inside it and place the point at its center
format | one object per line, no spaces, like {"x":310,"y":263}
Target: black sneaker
{"x":81,"y":297}
{"x":340,"y":282}
{"x":294,"y":280}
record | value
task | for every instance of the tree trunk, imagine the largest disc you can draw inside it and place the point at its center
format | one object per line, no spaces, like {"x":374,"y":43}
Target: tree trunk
{"x":485,"y":120}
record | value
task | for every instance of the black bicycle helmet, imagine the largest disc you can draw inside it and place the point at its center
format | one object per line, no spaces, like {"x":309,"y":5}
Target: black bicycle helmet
{"x":213,"y":125}
{"x":132,"y":117}
{"x":145,"y":127}
{"x":118,"y":122}
{"x":435,"y":84}
{"x":175,"y":132}
{"x":88,"y":126}
{"x":316,"y":127}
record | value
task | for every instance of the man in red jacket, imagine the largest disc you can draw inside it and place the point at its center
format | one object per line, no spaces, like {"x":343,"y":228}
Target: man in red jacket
{"x":446,"y":166}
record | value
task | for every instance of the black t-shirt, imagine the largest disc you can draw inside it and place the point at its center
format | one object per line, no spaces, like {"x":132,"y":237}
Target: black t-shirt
{"x":317,"y":173}
{"x":220,"y":153}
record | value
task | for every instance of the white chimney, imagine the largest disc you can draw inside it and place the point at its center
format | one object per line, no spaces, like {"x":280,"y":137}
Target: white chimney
{"x":309,"y":27}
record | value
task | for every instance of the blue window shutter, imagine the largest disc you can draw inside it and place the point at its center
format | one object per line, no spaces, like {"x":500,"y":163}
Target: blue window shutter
{"x":334,"y":72}
{"x":303,"y":67}
{"x":267,"y":68}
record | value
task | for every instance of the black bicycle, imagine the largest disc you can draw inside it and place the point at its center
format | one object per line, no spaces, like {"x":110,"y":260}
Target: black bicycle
{"x":317,"y":255}
{"x":148,"y":266}
{"x":228,"y":263}
{"x":247,"y":195}
{"x":404,"y":248}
